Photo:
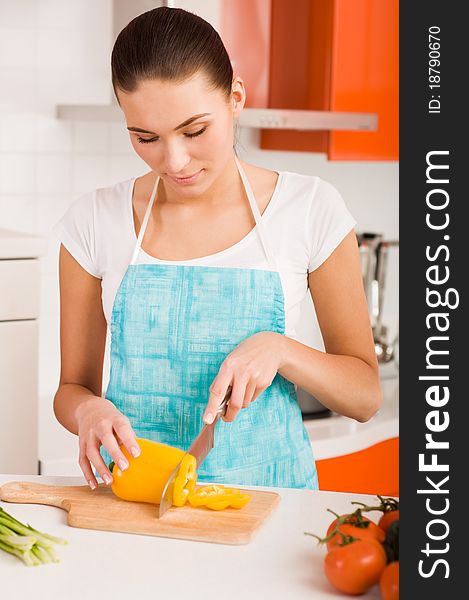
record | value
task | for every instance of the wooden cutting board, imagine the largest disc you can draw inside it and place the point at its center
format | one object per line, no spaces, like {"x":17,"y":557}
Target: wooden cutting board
{"x":101,"y":509}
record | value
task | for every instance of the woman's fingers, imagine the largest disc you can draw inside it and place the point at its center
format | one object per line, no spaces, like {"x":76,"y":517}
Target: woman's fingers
{"x":218,"y":391}
{"x":97,"y":461}
{"x":126,"y":436}
{"x":85,"y":466}
{"x":110,"y":443}
{"x":103,"y":425}
{"x":249,"y":394}
{"x":246,"y":384}
{"x":237,"y":398}
{"x":90,"y":455}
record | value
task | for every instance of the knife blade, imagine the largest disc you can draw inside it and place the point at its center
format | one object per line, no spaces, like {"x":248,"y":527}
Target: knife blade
{"x":199,"y":448}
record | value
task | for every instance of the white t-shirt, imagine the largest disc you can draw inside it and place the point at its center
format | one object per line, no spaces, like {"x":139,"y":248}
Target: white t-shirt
{"x":303,"y":223}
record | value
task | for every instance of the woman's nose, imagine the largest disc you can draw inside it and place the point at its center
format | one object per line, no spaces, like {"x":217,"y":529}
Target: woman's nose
{"x":175,"y":159}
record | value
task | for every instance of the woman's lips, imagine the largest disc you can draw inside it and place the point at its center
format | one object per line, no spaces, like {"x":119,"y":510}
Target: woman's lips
{"x":186,"y":180}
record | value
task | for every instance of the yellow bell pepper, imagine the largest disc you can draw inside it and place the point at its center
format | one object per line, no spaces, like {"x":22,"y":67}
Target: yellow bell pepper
{"x":184,"y":483}
{"x":218,"y":497}
{"x":147,"y":474}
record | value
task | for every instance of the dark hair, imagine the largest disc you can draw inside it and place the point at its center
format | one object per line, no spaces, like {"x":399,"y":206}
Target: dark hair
{"x":170,"y":44}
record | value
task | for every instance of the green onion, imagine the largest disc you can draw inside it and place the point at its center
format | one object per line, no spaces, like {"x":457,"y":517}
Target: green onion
{"x":30,"y":545}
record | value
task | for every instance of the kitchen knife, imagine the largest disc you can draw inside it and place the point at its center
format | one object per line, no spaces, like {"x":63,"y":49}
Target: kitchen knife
{"x":199,"y":448}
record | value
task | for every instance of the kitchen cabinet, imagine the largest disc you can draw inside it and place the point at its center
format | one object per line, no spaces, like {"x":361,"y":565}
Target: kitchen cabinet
{"x":374,"y":470}
{"x":333,"y":55}
{"x":19,"y":312}
{"x":361,"y":458}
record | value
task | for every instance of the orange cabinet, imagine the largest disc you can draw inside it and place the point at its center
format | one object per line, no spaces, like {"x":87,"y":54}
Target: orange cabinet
{"x":245,"y":29}
{"x":338,"y":55}
{"x":374,"y":470}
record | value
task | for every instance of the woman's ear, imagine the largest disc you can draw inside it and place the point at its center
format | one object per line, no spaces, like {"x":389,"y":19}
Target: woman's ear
{"x":238,"y":95}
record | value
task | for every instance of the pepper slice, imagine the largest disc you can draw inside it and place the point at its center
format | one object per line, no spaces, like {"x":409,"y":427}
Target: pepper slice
{"x":185,"y":480}
{"x":218,"y":497}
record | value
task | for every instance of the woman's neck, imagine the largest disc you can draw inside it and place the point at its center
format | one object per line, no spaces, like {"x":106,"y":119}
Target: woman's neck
{"x":225,"y":188}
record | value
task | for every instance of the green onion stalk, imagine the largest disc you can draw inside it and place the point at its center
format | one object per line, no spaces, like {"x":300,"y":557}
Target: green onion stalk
{"x":26,"y":543}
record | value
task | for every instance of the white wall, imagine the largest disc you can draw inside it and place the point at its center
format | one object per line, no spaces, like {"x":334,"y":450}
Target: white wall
{"x":57,"y":52}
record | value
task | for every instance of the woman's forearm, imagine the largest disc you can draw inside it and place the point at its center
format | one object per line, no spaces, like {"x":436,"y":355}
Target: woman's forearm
{"x":69,"y":398}
{"x":344,"y":384}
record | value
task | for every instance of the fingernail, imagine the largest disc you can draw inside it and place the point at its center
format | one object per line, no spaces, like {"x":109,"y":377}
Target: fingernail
{"x":208,"y":418}
{"x":107,"y":479}
{"x":91,"y":484}
{"x":135,"y":451}
{"x":122,"y":464}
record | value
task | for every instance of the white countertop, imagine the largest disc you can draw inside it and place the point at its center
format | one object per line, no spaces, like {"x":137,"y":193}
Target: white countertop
{"x":337,"y":435}
{"x":280,"y":562}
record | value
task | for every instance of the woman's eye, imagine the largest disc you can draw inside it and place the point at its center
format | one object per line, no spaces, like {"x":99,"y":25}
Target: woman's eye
{"x":196,"y":133}
{"x":155,"y":139}
{"x":144,"y":141}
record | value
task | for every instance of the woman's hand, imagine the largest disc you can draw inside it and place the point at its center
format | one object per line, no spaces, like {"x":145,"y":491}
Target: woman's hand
{"x":100,"y":423}
{"x":249,"y":369}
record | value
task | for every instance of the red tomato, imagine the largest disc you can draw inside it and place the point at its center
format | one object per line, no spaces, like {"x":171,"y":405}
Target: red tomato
{"x":388,"y":518}
{"x":355,"y":567}
{"x":389,"y":582}
{"x":372,"y":531}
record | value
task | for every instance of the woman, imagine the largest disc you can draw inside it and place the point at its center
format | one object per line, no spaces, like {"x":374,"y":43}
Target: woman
{"x":199,"y":267}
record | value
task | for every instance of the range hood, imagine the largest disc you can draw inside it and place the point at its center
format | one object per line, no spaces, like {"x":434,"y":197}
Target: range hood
{"x":260,"y":118}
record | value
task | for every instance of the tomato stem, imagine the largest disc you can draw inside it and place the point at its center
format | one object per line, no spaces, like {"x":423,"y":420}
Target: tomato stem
{"x":355,"y":519}
{"x":320,"y":541}
{"x":386,"y":505}
{"x":347,"y":539}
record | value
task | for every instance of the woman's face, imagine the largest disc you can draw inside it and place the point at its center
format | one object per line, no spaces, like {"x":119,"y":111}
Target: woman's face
{"x":183,"y":131}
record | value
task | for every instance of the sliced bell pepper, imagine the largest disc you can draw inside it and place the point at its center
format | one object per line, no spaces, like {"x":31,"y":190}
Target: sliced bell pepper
{"x":218,"y":497}
{"x":185,"y":480}
{"x":146,"y":476}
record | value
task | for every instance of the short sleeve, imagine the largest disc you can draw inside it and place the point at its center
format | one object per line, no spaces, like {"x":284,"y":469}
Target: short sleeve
{"x":328,"y":223}
{"x":77,"y":232}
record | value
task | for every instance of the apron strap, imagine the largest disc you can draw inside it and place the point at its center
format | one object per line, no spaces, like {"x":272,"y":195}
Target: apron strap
{"x":143,"y":227}
{"x":257,"y":217}
{"x":255,"y":211}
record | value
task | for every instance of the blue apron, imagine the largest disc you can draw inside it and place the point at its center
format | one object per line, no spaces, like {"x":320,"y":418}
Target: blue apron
{"x":171,"y":328}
